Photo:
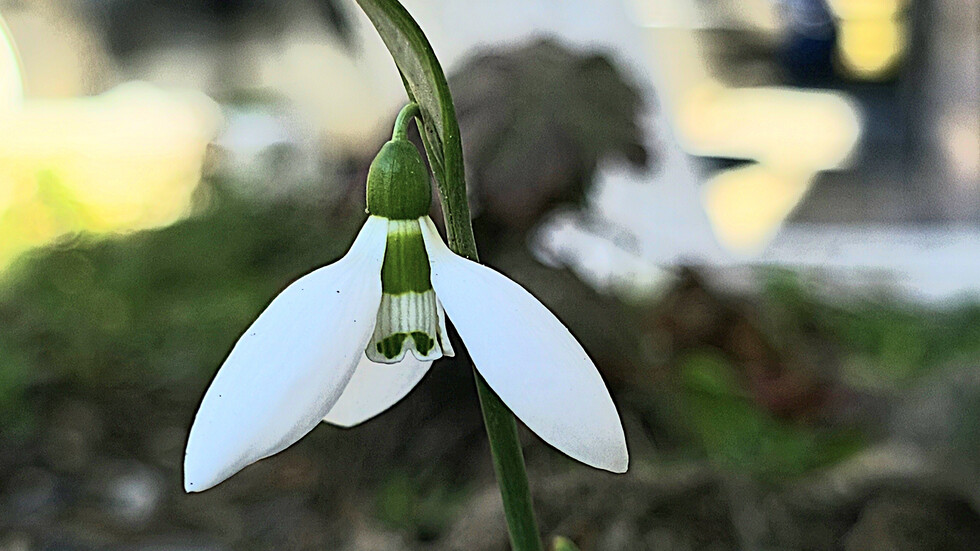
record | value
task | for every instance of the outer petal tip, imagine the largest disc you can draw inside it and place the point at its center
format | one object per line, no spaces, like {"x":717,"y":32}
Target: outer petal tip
{"x":602,"y":447}
{"x":619,"y":457}
{"x":190,"y":488}
{"x":621,"y":462}
{"x":206,"y":466}
{"x":197,"y":478}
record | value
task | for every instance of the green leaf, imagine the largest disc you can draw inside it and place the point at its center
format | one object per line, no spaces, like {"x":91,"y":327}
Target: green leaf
{"x":425,"y":83}
{"x":738,"y":434}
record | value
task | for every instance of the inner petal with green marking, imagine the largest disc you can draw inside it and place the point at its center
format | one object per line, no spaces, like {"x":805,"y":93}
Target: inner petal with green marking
{"x":410,"y":316}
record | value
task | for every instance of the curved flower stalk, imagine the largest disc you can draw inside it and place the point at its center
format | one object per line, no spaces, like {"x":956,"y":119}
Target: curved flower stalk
{"x":349,"y":340}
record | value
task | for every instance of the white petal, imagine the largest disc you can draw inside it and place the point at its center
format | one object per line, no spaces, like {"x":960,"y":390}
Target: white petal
{"x":374,"y":388}
{"x":289,"y":368}
{"x":529,"y":358}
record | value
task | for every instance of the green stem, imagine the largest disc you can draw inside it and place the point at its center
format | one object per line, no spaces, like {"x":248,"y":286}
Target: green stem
{"x":508,"y":463}
{"x":505,"y":445}
{"x":425,"y":83}
{"x":405,"y":117}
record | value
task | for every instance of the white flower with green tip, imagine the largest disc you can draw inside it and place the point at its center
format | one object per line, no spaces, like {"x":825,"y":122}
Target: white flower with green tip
{"x":349,"y":340}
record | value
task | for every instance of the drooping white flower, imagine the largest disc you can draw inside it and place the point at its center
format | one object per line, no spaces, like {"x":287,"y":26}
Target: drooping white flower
{"x":349,"y":340}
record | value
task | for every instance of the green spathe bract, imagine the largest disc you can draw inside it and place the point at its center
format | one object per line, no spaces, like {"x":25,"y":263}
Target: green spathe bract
{"x":398,"y":183}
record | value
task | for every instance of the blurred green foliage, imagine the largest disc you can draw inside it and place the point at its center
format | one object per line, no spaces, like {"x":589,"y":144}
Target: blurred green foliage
{"x":158,"y":309}
{"x":404,"y":503}
{"x":738,"y":434}
{"x":883,"y":345}
{"x":561,"y":543}
{"x":883,"y":342}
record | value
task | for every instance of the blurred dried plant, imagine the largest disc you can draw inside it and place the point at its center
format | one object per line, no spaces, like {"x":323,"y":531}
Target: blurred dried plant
{"x":536,"y":119}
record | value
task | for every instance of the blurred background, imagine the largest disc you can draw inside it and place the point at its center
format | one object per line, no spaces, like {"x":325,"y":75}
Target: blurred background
{"x":760,"y":217}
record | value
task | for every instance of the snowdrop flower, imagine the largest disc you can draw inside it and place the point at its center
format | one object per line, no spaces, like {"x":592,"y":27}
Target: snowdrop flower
{"x":349,"y":340}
